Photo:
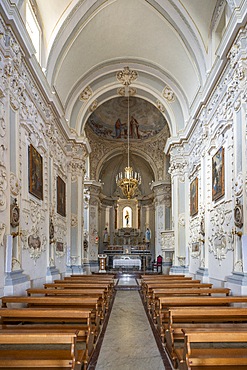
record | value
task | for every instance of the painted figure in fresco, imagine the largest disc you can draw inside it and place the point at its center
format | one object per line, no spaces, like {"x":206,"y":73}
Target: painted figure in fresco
{"x":134,"y":128}
{"x":118,"y":127}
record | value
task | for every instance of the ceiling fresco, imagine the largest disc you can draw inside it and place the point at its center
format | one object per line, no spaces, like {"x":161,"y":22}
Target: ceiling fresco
{"x":110,"y":120}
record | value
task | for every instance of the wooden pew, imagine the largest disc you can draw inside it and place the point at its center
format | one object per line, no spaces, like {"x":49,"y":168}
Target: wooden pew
{"x":17,"y":356}
{"x":213,"y":318}
{"x":89,"y":286}
{"x":61,"y":318}
{"x":211,"y":354}
{"x":147,"y":290}
{"x":95,"y":293}
{"x":153,"y":301}
{"x":91,"y":303}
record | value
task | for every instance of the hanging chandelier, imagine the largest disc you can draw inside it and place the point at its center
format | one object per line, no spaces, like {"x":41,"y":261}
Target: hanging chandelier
{"x":128,"y":181}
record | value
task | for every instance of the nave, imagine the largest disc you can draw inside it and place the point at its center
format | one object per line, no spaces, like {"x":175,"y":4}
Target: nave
{"x":129,"y":342}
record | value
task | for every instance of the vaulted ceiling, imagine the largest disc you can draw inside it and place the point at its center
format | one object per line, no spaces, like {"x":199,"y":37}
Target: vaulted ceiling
{"x":88,"y":41}
{"x":167,"y":42}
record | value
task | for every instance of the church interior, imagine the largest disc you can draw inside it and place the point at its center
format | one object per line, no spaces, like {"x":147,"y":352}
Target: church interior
{"x":123,"y":157}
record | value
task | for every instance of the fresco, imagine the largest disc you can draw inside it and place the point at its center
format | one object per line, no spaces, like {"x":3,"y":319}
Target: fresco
{"x":110,"y":120}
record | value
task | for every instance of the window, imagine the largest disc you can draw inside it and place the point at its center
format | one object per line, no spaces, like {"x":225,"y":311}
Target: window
{"x":33,"y":28}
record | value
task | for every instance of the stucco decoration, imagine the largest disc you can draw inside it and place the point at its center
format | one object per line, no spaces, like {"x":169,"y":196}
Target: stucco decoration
{"x":3,"y":187}
{"x":74,"y":220}
{"x":76,"y":168}
{"x":86,"y":93}
{"x":220,"y":240}
{"x":238,"y":184}
{"x":160,"y":106}
{"x":93,"y":106}
{"x":14,"y":214}
{"x":2,"y":233}
{"x":14,"y":184}
{"x":177,"y":168}
{"x":181,"y":219}
{"x":168,"y":94}
{"x":132,"y":91}
{"x":126,"y":76}
{"x":167,"y":240}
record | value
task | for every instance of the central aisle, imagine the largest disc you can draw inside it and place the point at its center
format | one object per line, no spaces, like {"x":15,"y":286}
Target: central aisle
{"x":129,"y":343}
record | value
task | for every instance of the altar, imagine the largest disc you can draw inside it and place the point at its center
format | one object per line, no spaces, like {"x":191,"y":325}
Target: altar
{"x":126,"y":261}
{"x":133,"y":252}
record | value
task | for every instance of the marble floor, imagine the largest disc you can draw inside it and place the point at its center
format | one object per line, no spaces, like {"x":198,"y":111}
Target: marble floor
{"x":129,"y":342}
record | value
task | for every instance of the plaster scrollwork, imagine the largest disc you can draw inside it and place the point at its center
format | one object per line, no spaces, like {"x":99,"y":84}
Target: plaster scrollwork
{"x":86,"y":93}
{"x":16,"y":264}
{"x":168,"y":94}
{"x":93,"y":106}
{"x":220,"y":240}
{"x":238,"y":184}
{"x":167,"y":240}
{"x":160,"y":106}
{"x":3,"y":187}
{"x":238,"y":266}
{"x":76,"y":168}
{"x":177,"y":168}
{"x":181,"y":219}
{"x":2,"y":233}
{"x":74,"y":220}
{"x":126,"y":76}
{"x":132,"y":91}
{"x":160,"y":212}
{"x":14,"y":184}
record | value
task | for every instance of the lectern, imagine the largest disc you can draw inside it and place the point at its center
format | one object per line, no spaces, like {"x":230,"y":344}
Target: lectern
{"x":102,"y":262}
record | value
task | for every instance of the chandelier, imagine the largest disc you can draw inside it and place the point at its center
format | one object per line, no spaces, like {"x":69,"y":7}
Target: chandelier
{"x":128,"y":181}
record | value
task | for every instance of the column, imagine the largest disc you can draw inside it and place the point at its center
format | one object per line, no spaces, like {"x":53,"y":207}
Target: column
{"x":93,"y":189}
{"x":162,"y":202}
{"x":180,"y":203}
{"x":76,"y":169}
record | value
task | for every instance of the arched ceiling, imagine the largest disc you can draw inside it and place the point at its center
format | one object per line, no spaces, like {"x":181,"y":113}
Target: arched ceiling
{"x":166,"y":42}
{"x":88,"y":41}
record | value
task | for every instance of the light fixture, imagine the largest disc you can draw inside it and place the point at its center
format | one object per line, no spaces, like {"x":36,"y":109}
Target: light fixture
{"x":129,"y":180}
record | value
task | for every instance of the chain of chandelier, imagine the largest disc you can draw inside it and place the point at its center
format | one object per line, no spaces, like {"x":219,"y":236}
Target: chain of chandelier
{"x":128,"y":181}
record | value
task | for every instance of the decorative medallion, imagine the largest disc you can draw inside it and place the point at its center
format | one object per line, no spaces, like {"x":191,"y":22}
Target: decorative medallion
{"x":86,"y":93}
{"x":160,"y":106}
{"x":127,"y":76}
{"x":238,"y":214}
{"x":168,"y":94}
{"x":14,"y":184}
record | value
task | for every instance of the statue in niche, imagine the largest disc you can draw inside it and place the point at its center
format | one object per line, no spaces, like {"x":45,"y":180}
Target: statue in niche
{"x":127,"y":217}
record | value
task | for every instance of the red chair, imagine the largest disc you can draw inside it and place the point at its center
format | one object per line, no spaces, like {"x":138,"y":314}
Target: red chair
{"x":157,"y":266}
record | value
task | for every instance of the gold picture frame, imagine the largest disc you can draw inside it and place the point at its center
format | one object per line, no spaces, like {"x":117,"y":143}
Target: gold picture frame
{"x":61,"y":195}
{"x":35,"y":172}
{"x":218,"y":174}
{"x":194,"y":197}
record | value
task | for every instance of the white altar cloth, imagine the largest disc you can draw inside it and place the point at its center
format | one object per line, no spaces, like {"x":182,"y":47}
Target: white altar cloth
{"x":126,"y":261}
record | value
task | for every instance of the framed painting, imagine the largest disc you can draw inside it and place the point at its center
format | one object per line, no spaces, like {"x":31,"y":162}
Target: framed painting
{"x":61,"y":193}
{"x":35,"y":173}
{"x":194,"y":197}
{"x":218,"y":174}
{"x":195,"y":247}
{"x":59,"y":247}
